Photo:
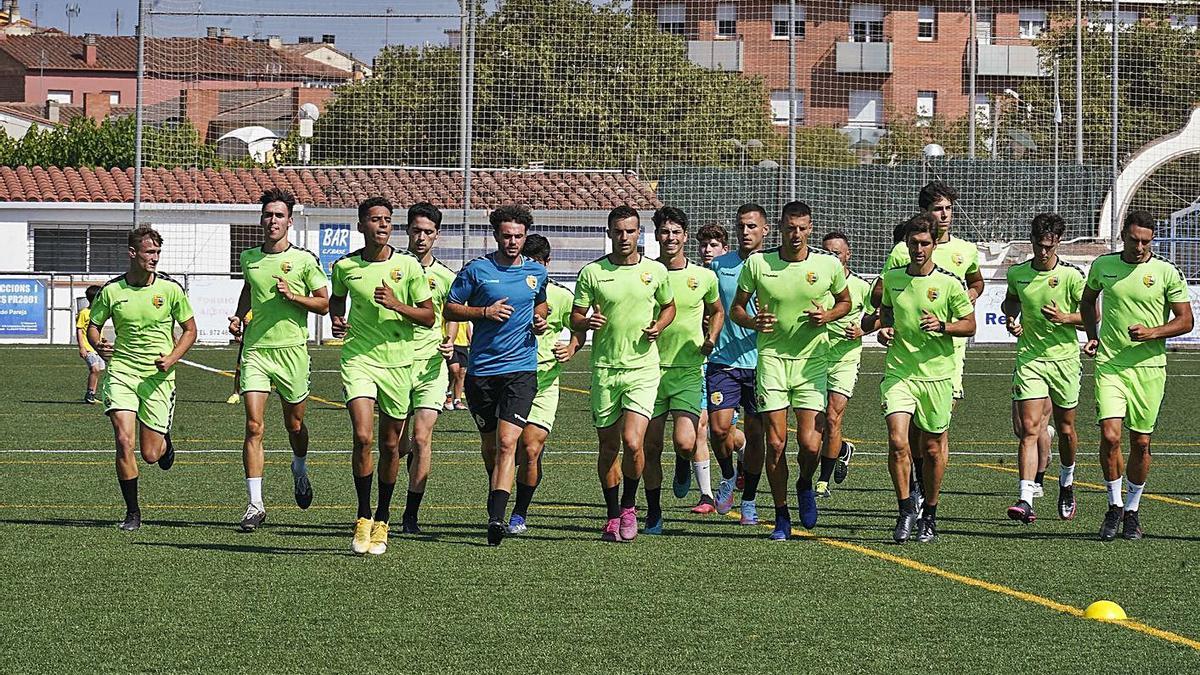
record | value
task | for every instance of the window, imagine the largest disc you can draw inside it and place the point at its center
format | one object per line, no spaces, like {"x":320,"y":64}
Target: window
{"x":779,"y":107}
{"x":926,"y":107}
{"x":866,"y":108}
{"x":1032,"y":22}
{"x":983,"y":26}
{"x":114,"y":97}
{"x":983,"y":110}
{"x":726,"y":19}
{"x":62,"y":96}
{"x":927,"y":23}
{"x":80,"y":248}
{"x":1104,"y":21}
{"x":1186,"y":22}
{"x":866,"y":23}
{"x":779,"y":22}
{"x":671,"y":18}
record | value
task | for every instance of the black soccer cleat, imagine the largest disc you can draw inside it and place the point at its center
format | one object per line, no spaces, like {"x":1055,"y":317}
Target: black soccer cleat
{"x":302,"y":489}
{"x":1131,"y":529}
{"x":133,"y":521}
{"x":927,"y":530}
{"x":904,"y":525}
{"x":1066,"y":502}
{"x":1112,"y":519}
{"x":496,"y":531}
{"x":409,"y":526}
{"x":842,"y":468}
{"x":168,"y":457}
{"x":1022,"y":512}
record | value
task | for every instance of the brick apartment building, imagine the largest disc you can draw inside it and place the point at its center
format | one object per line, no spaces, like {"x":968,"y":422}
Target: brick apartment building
{"x":859,"y":63}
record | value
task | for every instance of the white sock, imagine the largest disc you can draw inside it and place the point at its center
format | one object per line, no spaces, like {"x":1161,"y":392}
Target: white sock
{"x":1026,"y":487}
{"x":299,"y":464}
{"x":254,"y":490}
{"x":741,"y":452}
{"x":1135,"y":495}
{"x":1066,"y":475}
{"x":703,"y":476}
{"x":1114,"y":492}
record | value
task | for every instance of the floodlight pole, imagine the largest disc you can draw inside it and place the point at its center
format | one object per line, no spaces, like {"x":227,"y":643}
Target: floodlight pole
{"x":1079,"y":82}
{"x":972,"y":58}
{"x":138,"y":108}
{"x":791,"y":101}
{"x":1116,"y":83}
{"x":463,"y":132}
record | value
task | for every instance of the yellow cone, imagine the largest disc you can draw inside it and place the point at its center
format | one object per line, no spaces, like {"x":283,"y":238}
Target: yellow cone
{"x":1105,"y":610}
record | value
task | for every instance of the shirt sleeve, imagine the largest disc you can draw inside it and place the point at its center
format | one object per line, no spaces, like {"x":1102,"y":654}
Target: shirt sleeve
{"x":339,"y":281}
{"x":885,"y":300}
{"x":181,"y":308}
{"x":543,"y":282}
{"x":101,"y":309}
{"x":958,"y":302}
{"x":664,"y":294}
{"x":839,"y":278}
{"x":81,"y":321}
{"x":583,"y":288}
{"x":314,"y":278}
{"x":1011,"y":282}
{"x":417,"y":286}
{"x":1075,"y":292}
{"x":746,"y":280}
{"x":1176,"y":288}
{"x":973,"y":266}
{"x":711,"y":294}
{"x":896,"y":257}
{"x":1093,"y":277}
{"x":460,"y":290}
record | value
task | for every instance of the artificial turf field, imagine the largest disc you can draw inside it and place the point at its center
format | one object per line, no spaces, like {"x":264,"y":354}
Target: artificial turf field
{"x":188,"y":592}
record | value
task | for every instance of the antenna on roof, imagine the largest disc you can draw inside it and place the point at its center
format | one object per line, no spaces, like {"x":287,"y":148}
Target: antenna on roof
{"x":72,"y":12}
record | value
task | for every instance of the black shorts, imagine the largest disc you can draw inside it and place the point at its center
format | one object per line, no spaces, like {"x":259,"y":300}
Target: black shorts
{"x":459,"y":357}
{"x":507,"y":397}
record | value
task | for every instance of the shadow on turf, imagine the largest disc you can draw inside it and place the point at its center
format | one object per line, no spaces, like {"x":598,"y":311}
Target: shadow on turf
{"x":244,"y":548}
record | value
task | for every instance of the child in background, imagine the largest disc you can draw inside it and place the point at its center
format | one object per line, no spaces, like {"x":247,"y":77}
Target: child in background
{"x":94,"y":363}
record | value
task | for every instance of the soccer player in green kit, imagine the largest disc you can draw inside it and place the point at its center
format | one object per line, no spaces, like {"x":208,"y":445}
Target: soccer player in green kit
{"x":432,"y":348}
{"x":139,"y":383}
{"x":552,"y":353}
{"x":1041,"y":308}
{"x":630,"y":302}
{"x":283,"y":283}
{"x":1138,"y":291}
{"x":682,"y":349}
{"x":923,"y":307}
{"x":388,"y":295}
{"x":800,"y":289}
{"x":845,"y":355}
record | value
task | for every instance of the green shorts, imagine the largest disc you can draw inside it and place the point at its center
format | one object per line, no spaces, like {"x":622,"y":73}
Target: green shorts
{"x":615,"y":390}
{"x":930,"y":402}
{"x":843,"y":373}
{"x":1132,"y":394}
{"x":545,"y":404}
{"x":960,"y":360}
{"x":791,"y":383}
{"x":285,"y":367}
{"x":430,"y":378}
{"x":1056,"y":380}
{"x":152,"y":397}
{"x":680,"y":389}
{"x":390,"y":388}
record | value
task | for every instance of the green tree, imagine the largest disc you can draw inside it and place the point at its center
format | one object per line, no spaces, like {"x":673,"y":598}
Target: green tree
{"x":109,"y":144}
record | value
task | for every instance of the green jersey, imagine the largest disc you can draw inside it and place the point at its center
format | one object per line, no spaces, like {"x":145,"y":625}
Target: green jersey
{"x":630,"y":297}
{"x":1062,"y":287}
{"x":426,"y":340}
{"x":1132,"y":294}
{"x":957,"y":256}
{"x":788,"y":289}
{"x":281,"y":323}
{"x":915,"y":354}
{"x":144,"y":319}
{"x":559,"y":300}
{"x":379,"y":336}
{"x":860,"y":304}
{"x":679,"y":344}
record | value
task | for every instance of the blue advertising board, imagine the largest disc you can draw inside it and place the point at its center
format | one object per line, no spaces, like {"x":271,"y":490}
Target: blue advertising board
{"x":335,"y":243}
{"x":22,"y":308}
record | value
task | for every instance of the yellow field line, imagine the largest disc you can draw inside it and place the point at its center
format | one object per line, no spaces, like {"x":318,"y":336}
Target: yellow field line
{"x":314,"y":397}
{"x":988,"y":586}
{"x":1102,"y":488}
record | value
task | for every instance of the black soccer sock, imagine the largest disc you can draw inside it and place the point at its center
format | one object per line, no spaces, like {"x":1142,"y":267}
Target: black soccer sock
{"x":412,"y":504}
{"x":629,"y":499}
{"x":930,"y":511}
{"x":612,"y":501}
{"x":827,"y":464}
{"x":362,"y":487}
{"x":524,"y":498}
{"x":653,"y":505}
{"x":803,"y":483}
{"x":497,"y":505}
{"x":683,"y":469}
{"x":750,"y":491}
{"x":919,"y":469}
{"x":384,"y":511}
{"x":129,"y":493}
{"x":903,"y":504}
{"x":1040,"y":478}
{"x":726,"y":464}
{"x":781,"y":513}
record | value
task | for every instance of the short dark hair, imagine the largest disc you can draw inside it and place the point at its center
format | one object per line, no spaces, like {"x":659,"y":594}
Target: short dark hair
{"x":369,"y":203}
{"x":713,"y":231}
{"x":621,"y":213}
{"x":137,"y":234}
{"x":898,"y":232}
{"x":796,"y":209}
{"x":751,"y":207}
{"x":1141,"y":219}
{"x":510,"y":213}
{"x":919,"y":224}
{"x":836,"y":234}
{"x":91,"y":293}
{"x":934,"y":191}
{"x":425,"y":210}
{"x":536,"y":247}
{"x":1047,"y":224}
{"x":278,"y":195}
{"x":672,"y":214}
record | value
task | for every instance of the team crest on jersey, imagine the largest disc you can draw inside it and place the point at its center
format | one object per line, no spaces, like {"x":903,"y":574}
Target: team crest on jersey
{"x":932,"y":294}
{"x":531,"y":282}
{"x":958,"y":259}
{"x":285,"y":266}
{"x":647,"y":278}
{"x":693,"y":283}
{"x":396,"y":274}
{"x":432,"y":282}
{"x":1148,"y":280}
{"x":158,"y":301}
{"x":811,"y":278}
{"x":1053,"y":282}
{"x":716,"y":397}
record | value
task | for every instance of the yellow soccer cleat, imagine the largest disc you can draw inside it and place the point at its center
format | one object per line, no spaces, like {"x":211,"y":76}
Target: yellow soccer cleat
{"x":379,"y":532}
{"x":362,"y":536}
{"x":233,"y":399}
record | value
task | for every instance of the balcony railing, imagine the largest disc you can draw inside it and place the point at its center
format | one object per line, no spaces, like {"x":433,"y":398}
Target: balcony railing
{"x":864,"y":57}
{"x":1009,"y":61}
